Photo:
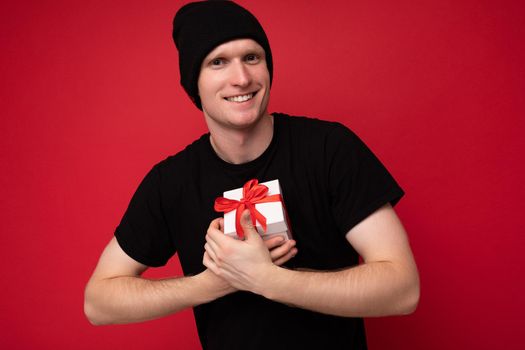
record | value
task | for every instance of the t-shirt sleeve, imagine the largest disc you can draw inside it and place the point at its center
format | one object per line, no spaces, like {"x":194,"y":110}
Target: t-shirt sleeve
{"x":143,"y":232}
{"x":359,"y":183}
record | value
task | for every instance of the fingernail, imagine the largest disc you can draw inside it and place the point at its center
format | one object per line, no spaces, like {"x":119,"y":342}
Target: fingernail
{"x":246,"y":220}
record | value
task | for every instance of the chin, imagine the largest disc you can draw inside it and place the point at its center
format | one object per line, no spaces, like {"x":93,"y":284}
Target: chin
{"x":244,"y":123}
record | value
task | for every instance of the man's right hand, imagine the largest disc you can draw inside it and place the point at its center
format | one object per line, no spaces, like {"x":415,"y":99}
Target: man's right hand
{"x":281,"y":251}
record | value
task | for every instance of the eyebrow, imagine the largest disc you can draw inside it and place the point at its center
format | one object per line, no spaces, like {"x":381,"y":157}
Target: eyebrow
{"x":249,"y":50}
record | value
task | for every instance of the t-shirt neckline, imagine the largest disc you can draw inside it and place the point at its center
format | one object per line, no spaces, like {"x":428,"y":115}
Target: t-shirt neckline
{"x":253,"y":163}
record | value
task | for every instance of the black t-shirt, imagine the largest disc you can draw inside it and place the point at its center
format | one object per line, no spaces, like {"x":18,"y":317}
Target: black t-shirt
{"x":330,"y":182}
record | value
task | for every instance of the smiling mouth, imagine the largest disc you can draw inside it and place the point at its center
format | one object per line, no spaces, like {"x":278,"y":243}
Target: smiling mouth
{"x":241,"y":98}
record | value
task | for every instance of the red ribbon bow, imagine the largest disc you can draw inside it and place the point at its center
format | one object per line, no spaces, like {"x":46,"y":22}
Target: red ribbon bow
{"x":252,"y":194}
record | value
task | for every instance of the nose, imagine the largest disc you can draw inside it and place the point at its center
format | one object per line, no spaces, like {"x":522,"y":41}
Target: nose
{"x":240,"y":75}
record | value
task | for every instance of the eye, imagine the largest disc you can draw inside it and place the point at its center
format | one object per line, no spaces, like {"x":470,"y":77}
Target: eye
{"x":216,"y":62}
{"x":252,"y":58}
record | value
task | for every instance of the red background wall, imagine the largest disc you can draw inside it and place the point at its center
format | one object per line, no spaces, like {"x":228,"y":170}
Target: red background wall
{"x":90,"y":101}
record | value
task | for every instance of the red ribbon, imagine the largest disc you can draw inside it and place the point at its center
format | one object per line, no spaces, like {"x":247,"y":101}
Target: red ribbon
{"x":252,"y":194}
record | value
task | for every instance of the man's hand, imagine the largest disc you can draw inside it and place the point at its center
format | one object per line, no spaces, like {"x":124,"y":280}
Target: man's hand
{"x":387,"y":283}
{"x":244,"y":264}
{"x":280,"y":252}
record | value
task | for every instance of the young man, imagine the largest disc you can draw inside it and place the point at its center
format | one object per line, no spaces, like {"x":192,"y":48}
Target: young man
{"x":255,"y":294}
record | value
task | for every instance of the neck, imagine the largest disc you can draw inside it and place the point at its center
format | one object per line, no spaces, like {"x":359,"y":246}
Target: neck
{"x":238,"y":146}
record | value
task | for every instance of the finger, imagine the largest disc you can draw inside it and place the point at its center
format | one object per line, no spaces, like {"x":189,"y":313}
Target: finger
{"x":208,"y":247}
{"x":214,"y":229}
{"x":247,"y":225}
{"x":281,"y":251}
{"x":206,"y":261}
{"x":274,"y":242}
{"x":216,"y":224}
{"x":210,"y":240}
{"x":215,"y":234}
{"x":288,"y":256}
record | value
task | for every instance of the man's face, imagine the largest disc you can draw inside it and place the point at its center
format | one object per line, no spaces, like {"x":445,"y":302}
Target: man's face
{"x":234,"y":85}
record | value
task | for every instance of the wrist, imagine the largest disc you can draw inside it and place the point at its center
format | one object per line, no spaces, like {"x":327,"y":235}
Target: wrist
{"x":268,"y":283}
{"x":213,"y":285}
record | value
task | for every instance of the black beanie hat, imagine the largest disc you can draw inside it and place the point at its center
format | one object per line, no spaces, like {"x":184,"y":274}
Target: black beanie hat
{"x":199,"y":27}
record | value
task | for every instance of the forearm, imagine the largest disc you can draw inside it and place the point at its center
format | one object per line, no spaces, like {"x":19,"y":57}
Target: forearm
{"x":386,"y":284}
{"x":129,"y":299}
{"x":367,"y":290}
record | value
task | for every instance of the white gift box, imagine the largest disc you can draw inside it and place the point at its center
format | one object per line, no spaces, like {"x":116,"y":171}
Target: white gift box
{"x":274,"y":212}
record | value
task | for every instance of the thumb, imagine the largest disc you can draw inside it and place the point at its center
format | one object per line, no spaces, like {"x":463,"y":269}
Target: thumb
{"x":247,"y":225}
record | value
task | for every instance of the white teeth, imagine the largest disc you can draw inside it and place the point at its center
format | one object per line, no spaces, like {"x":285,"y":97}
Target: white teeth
{"x":241,"y":98}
